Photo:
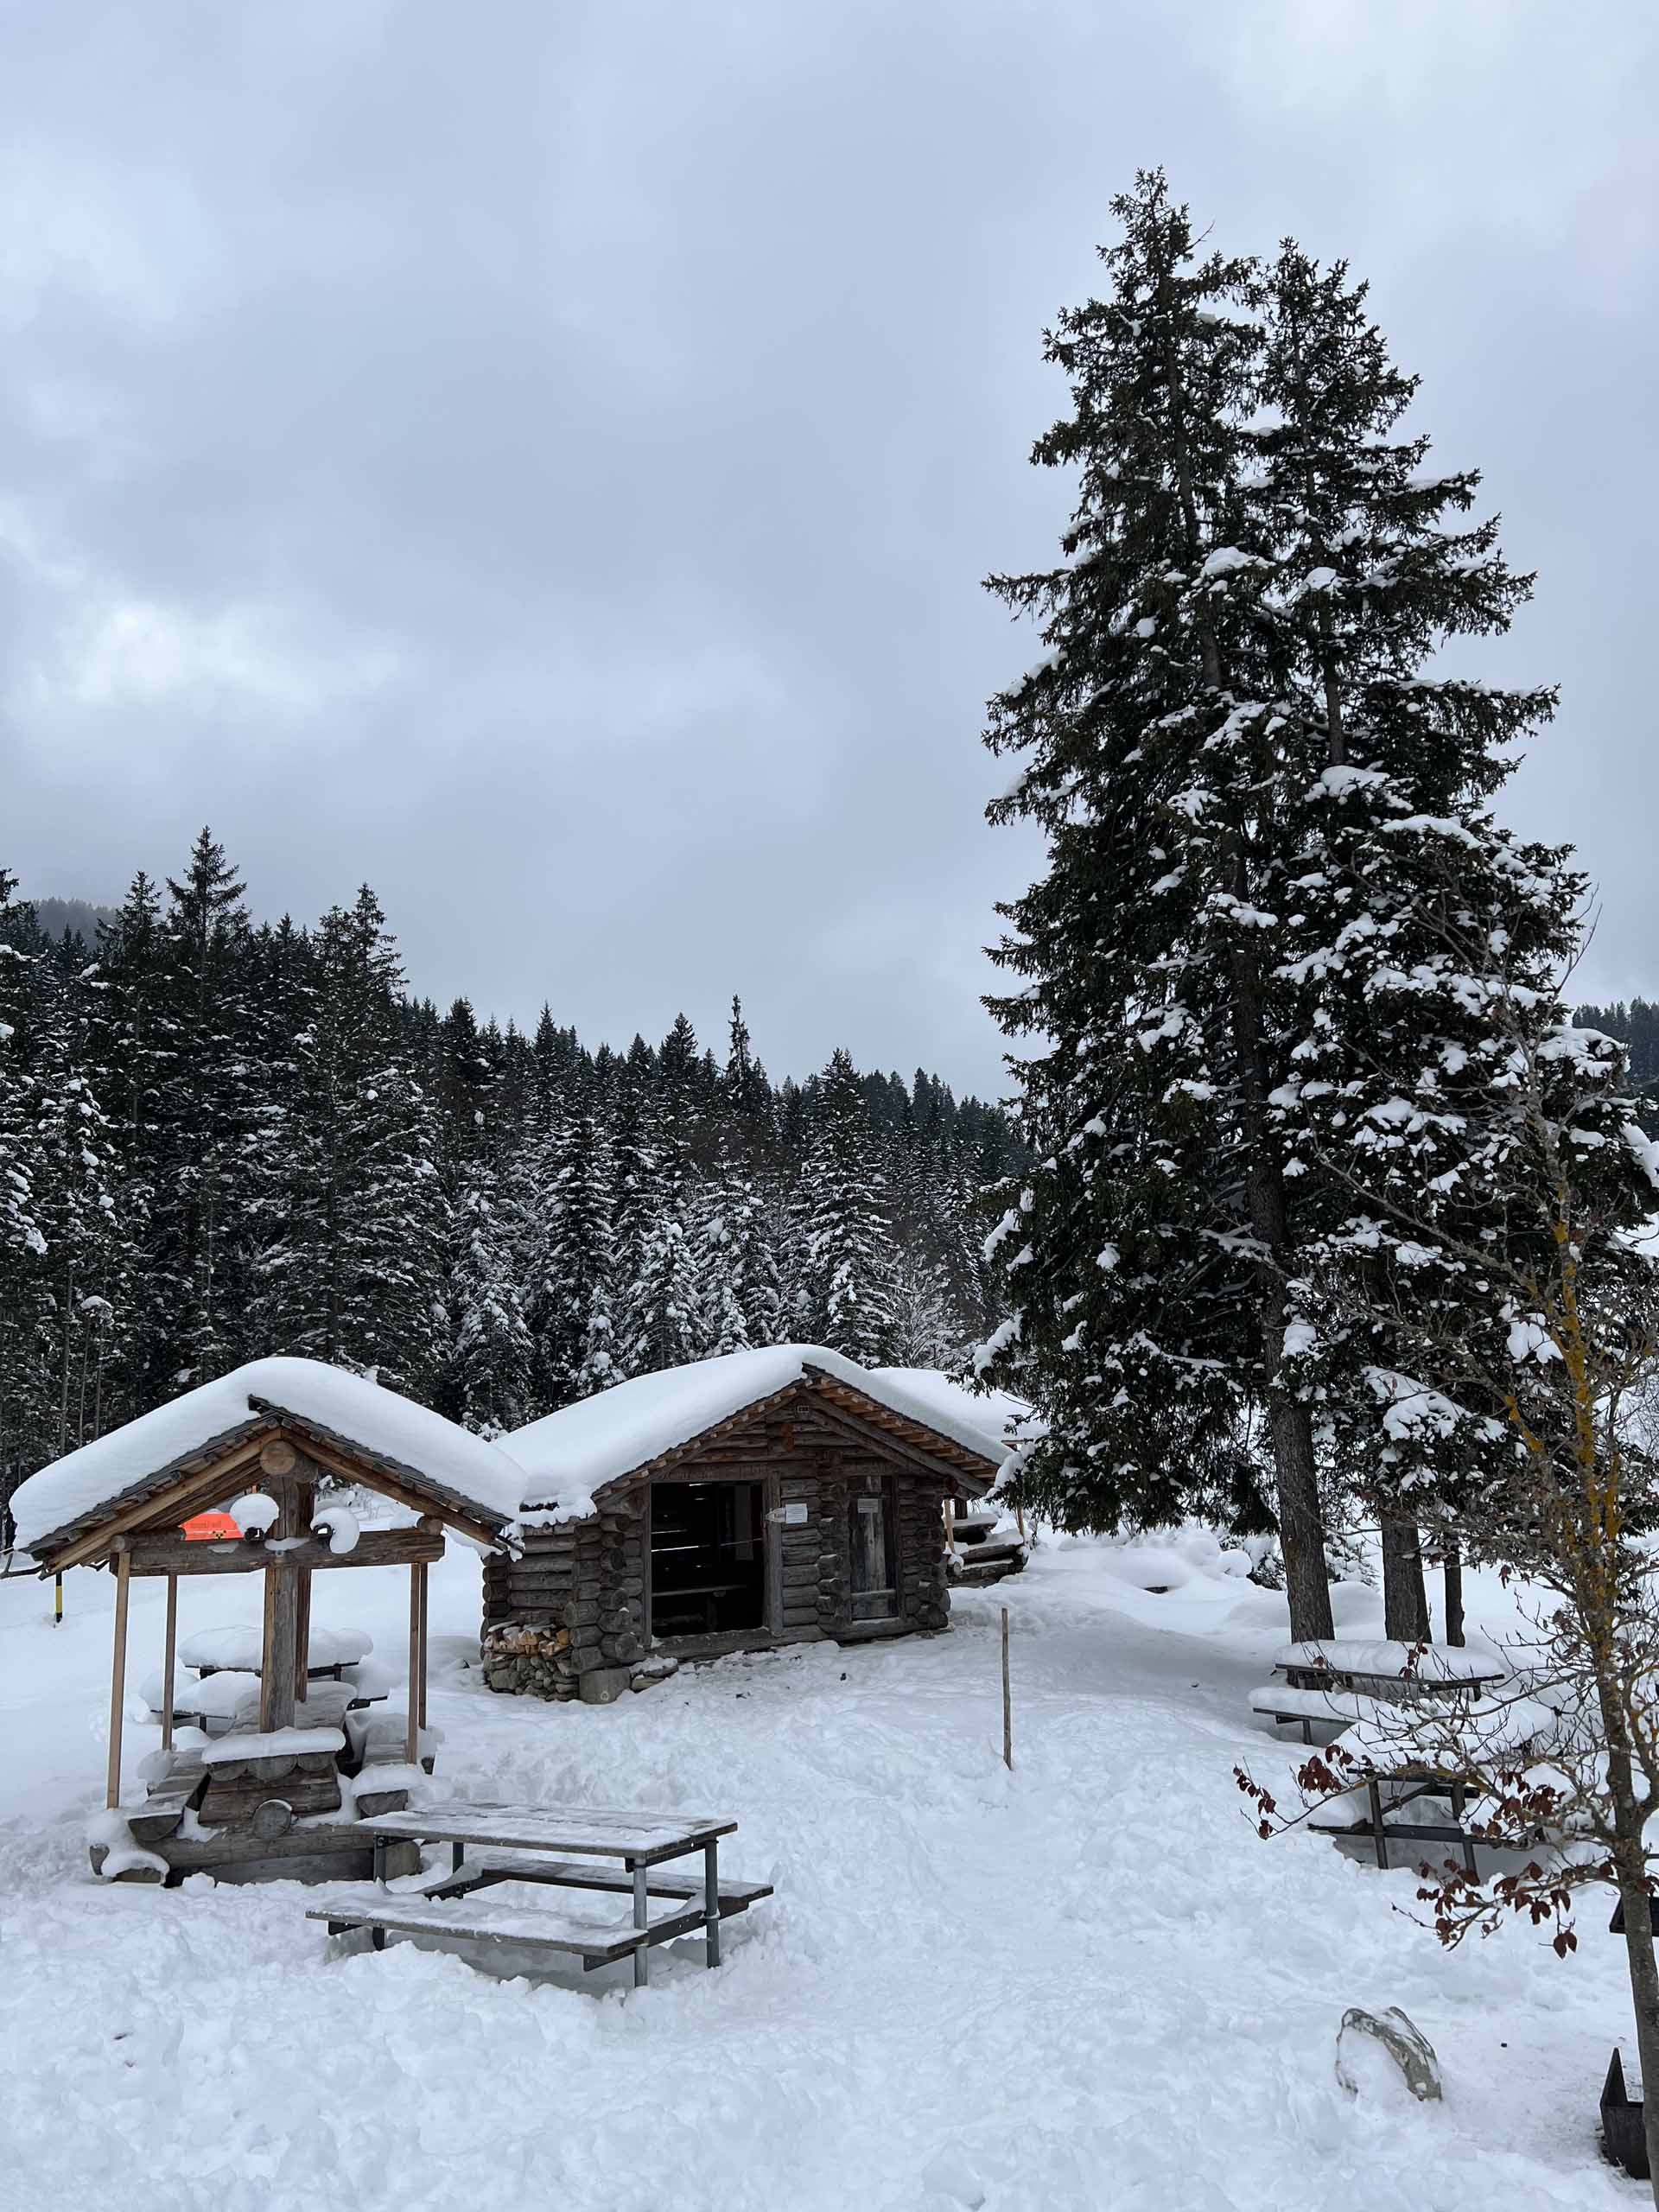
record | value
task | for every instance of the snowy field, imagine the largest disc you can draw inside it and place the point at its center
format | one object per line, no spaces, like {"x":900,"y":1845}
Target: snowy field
{"x":1082,"y":1984}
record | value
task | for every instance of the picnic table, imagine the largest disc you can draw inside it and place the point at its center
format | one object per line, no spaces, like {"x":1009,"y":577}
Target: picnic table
{"x":1333,"y":1679}
{"x":563,"y":1846}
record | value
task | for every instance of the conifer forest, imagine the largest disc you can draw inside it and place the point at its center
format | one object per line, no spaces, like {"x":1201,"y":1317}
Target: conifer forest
{"x":221,"y":1140}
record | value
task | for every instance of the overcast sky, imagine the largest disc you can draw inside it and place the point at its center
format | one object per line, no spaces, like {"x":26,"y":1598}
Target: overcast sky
{"x":541,"y":457}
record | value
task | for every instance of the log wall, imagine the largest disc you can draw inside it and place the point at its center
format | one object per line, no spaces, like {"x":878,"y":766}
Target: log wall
{"x":569,"y":1618}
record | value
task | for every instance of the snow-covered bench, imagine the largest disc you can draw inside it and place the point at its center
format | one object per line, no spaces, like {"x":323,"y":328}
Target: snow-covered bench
{"x":1398,"y":1673}
{"x":1335,"y":1708}
{"x":596,"y":1942}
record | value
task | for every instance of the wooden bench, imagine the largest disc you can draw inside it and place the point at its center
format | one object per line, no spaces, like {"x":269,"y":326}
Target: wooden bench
{"x":1333,"y":1708}
{"x":487,"y":1867}
{"x":595,"y":1943}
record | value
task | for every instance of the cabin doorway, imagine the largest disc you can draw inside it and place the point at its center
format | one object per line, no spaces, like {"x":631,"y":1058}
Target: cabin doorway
{"x":872,"y":1580}
{"x":708,"y":1559}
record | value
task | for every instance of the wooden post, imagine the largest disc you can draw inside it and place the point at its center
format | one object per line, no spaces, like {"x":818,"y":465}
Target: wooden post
{"x":1007,"y":1703}
{"x":425,"y":1600}
{"x":277,"y":1664}
{"x":950,"y":1526}
{"x":169,"y":1660}
{"x":118,"y":1676}
{"x":57,"y":1600}
{"x":412,"y":1739}
{"x":304,"y":1512}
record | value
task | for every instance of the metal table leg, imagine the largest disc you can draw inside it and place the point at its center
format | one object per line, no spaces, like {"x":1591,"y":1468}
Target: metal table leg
{"x":379,"y":1861}
{"x":1375,"y":1796}
{"x":641,"y":1919}
{"x":711,"y":1902}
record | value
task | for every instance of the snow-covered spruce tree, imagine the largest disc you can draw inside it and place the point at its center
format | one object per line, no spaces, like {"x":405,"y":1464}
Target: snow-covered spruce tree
{"x":353,"y":1259}
{"x":1414,"y":921}
{"x":570,"y":1287}
{"x":846,"y":1249}
{"x":199,"y":1225}
{"x":489,"y":1382}
{"x":1144,"y":1260}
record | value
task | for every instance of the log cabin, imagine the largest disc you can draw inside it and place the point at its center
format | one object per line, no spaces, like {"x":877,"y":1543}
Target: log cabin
{"x":765,"y":1497}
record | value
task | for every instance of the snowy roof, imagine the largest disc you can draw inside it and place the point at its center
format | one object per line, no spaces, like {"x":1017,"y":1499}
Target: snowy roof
{"x":458,"y":1471}
{"x":568,"y":1456}
{"x":995,"y":1413}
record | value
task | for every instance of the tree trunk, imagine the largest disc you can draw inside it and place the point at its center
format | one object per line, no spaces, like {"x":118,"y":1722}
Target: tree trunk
{"x":1630,"y":1867}
{"x":1301,"y":1524}
{"x":1405,"y":1601}
{"x":1453,"y":1575}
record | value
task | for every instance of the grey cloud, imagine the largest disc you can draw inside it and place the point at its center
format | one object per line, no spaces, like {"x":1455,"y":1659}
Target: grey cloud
{"x":542,"y":460}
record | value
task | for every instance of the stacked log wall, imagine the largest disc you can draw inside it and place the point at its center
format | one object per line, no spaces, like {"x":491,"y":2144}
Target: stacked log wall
{"x":568,"y":1618}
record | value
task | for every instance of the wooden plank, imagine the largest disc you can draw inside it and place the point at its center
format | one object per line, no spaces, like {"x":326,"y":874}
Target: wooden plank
{"x":117,"y":1679}
{"x":584,"y":1874}
{"x":601,"y":1831}
{"x":476,"y":1920}
{"x":374,"y":1548}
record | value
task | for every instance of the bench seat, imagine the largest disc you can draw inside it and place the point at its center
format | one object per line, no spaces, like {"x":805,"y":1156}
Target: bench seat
{"x":482,"y":1868}
{"x":472,"y":1919}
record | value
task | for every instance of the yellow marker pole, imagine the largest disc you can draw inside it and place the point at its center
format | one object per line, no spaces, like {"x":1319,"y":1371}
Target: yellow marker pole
{"x":57,"y":1602}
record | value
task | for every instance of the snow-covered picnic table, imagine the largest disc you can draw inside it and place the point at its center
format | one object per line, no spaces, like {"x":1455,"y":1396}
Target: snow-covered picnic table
{"x":1333,"y":1679}
{"x":555,"y":1844}
{"x":240,"y":1649}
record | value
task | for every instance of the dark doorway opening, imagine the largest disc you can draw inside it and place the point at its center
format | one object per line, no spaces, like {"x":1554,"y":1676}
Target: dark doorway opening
{"x":708,"y":1559}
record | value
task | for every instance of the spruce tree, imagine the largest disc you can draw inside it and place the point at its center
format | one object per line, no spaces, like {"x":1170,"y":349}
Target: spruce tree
{"x":847,"y":1249}
{"x":202,"y":1240}
{"x":1146,"y":1255}
{"x":1416,"y":925}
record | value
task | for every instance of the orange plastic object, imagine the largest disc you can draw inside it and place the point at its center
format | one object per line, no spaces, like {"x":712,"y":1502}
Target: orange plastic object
{"x":203,"y":1525}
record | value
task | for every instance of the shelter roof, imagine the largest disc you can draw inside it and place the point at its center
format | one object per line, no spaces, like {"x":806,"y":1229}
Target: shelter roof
{"x":568,"y":1457}
{"x":376,"y":1429}
{"x":1003,"y":1420}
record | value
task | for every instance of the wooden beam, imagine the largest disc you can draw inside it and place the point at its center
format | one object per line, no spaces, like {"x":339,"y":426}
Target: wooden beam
{"x":117,"y":1679}
{"x":305,"y":1509}
{"x":161,"y":1509}
{"x":883,"y":1440}
{"x":372,"y":1477}
{"x":412,"y":1732}
{"x":171,"y":1659}
{"x":277,"y":1661}
{"x":374,"y":1548}
{"x":425,"y":1603}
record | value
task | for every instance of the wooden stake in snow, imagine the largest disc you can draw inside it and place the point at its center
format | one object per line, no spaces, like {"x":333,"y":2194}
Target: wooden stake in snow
{"x":1007,"y":1703}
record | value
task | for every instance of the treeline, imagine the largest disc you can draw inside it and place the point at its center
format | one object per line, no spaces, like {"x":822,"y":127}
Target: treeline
{"x":219,"y":1140}
{"x":1636,"y":1025}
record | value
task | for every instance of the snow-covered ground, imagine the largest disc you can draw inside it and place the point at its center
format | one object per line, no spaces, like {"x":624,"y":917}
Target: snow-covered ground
{"x":1085,"y":1984}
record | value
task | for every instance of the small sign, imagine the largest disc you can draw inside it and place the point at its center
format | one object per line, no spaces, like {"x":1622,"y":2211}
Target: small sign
{"x":869,"y":1505}
{"x":789,"y":1517}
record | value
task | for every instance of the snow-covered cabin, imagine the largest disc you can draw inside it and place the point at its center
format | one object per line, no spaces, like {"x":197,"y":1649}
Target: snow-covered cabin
{"x":773,"y":1496}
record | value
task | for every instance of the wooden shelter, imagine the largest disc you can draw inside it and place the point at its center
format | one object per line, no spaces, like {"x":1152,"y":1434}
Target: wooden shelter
{"x":287,"y":1782}
{"x":773,"y":1496}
